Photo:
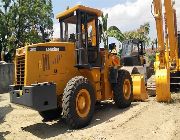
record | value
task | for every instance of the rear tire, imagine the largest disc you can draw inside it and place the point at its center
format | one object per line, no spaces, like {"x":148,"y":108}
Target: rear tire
{"x":123,"y":89}
{"x":78,"y":102}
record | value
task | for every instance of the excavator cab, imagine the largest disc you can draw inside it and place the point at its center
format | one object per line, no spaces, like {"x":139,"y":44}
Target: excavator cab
{"x":86,"y":36}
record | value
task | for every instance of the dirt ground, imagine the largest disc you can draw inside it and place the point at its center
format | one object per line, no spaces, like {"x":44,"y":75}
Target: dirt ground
{"x":143,"y":120}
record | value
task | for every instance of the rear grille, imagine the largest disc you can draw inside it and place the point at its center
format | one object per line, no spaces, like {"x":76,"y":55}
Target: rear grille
{"x":20,"y":70}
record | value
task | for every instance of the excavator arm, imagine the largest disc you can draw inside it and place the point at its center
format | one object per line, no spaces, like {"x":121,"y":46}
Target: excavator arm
{"x":162,"y":71}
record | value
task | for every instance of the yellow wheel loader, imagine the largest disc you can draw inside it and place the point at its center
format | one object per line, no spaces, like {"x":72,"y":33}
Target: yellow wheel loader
{"x":73,"y":74}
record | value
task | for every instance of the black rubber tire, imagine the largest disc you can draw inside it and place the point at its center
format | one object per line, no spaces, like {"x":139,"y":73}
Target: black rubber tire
{"x":73,"y":120}
{"x":119,"y":99}
{"x":50,"y":114}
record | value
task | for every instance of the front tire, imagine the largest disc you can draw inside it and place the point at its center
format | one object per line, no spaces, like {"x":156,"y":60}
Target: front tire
{"x":50,"y":114}
{"x":78,"y":102}
{"x":123,"y":89}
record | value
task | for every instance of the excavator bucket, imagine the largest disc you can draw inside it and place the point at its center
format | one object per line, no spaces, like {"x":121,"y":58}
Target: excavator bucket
{"x":139,"y":88}
{"x":163,"y":85}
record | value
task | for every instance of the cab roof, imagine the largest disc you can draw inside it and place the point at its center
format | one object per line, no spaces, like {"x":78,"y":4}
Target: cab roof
{"x":81,"y":8}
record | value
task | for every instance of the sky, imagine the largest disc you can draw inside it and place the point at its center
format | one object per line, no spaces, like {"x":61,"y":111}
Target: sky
{"x":125,"y":14}
{"x":60,"y":5}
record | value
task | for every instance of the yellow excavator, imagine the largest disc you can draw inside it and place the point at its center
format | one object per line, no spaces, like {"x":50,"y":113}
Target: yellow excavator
{"x":73,"y":74}
{"x":167,"y":68}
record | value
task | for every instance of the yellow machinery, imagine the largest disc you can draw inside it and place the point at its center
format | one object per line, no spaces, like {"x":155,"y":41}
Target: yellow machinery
{"x":139,"y":88}
{"x":72,"y":74}
{"x":133,"y":61}
{"x":167,"y":59}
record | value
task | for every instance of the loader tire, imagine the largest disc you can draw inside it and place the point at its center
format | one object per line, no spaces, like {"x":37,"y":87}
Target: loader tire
{"x":50,"y":114}
{"x":123,"y":89}
{"x":78,"y":102}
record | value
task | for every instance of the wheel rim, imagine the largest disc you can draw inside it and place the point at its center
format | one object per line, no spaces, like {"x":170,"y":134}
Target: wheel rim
{"x":83,"y":103}
{"x":127,"y":89}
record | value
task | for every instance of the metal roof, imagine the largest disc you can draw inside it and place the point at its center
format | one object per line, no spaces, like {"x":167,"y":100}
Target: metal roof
{"x":79,"y":7}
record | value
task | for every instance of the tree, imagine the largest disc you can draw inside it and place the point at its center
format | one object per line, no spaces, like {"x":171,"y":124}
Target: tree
{"x":113,"y":31}
{"x":141,"y":33}
{"x":4,"y":22}
{"x":24,"y":22}
{"x":104,"y":30}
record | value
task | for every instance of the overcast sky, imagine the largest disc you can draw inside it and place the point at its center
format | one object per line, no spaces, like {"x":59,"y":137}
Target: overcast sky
{"x":125,"y":14}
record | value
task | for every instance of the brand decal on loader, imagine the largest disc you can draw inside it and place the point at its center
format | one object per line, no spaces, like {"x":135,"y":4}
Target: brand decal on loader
{"x":32,"y":49}
{"x":44,"y":48}
{"x":52,"y":49}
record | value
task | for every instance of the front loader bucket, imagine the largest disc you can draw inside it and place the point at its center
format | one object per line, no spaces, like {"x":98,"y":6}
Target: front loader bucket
{"x":139,"y":88}
{"x":163,"y":85}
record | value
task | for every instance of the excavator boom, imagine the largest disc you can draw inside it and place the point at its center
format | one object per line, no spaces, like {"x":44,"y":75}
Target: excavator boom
{"x":171,"y":25}
{"x":167,"y":59}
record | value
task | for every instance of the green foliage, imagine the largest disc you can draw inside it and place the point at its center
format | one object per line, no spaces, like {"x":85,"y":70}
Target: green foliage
{"x":113,"y":31}
{"x":104,"y":33}
{"x":24,"y":21}
{"x":152,"y":58}
{"x":141,"y":33}
{"x":120,"y":53}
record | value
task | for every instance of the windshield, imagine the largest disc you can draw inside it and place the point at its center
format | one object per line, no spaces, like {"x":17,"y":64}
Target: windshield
{"x":69,"y":30}
{"x":126,"y":49}
{"x":129,"y":49}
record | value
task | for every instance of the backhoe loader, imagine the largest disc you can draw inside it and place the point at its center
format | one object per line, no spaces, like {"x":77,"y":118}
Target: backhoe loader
{"x":167,"y":68}
{"x":133,"y":56}
{"x":72,"y":74}
{"x":133,"y":51}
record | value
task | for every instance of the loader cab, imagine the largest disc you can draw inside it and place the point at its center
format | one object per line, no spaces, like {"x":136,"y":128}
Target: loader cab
{"x":86,"y":35}
{"x":133,"y":52}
